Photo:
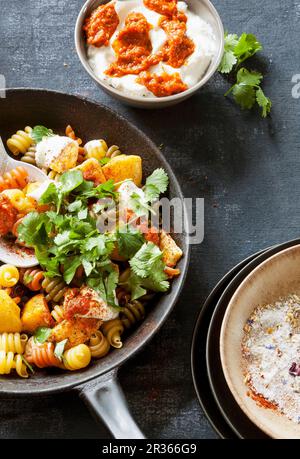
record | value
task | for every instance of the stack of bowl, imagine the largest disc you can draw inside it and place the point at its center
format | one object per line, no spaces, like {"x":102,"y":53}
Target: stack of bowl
{"x":217,"y":362}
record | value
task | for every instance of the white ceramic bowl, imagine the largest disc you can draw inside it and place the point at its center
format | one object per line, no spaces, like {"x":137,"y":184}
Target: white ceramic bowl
{"x":203,"y":8}
{"x":276,"y":277}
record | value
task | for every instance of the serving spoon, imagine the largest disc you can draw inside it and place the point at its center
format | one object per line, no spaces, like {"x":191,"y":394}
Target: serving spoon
{"x":9,"y":251}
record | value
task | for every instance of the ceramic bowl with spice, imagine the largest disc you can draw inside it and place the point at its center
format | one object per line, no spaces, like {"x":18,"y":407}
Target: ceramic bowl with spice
{"x":150,"y":53}
{"x":260,"y":345}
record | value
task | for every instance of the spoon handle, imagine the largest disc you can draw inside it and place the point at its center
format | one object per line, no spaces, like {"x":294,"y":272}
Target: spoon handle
{"x":6,"y":162}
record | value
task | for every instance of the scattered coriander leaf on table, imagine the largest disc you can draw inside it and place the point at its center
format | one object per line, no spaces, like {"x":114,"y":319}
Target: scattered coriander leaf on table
{"x":247,"y":90}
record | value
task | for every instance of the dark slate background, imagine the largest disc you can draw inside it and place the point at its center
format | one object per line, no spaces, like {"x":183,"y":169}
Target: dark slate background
{"x":246,"y":168}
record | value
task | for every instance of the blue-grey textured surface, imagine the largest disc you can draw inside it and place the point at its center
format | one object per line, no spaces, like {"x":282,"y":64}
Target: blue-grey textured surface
{"x":247,"y":169}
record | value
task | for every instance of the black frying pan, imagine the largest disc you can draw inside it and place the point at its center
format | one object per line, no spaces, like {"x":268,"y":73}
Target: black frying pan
{"x":97,"y":385}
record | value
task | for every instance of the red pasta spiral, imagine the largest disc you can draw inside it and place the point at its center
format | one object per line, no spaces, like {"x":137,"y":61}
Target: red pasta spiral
{"x":16,"y":178}
{"x":81,"y":152}
{"x":32,"y":278}
{"x":42,"y":355}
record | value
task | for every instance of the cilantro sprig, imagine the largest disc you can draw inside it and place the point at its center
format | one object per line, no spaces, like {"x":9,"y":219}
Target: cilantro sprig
{"x":247,"y":89}
{"x":67,"y":236}
{"x":156,"y":184}
{"x":147,"y":272}
{"x":39,"y":132}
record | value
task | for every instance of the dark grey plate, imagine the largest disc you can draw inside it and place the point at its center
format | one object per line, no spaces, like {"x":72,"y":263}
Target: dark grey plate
{"x":227,"y":405}
{"x":198,"y":354}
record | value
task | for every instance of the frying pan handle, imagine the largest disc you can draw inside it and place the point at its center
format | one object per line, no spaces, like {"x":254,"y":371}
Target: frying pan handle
{"x":106,"y":401}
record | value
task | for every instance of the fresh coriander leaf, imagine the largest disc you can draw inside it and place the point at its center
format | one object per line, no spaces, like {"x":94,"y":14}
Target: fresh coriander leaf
{"x":248,"y":78}
{"x":82,"y":214}
{"x":50,"y":195}
{"x":143,"y":261}
{"x":39,"y":132}
{"x":244,"y":96}
{"x":158,"y":179}
{"x":129,"y":241}
{"x":105,"y":283}
{"x":62,"y":238}
{"x":151,"y":193}
{"x":229,"y":59}
{"x":104,"y":161}
{"x":247,"y":46}
{"x":244,"y":91}
{"x":42,"y":334}
{"x":139,"y":205}
{"x":74,"y":206}
{"x":32,"y":229}
{"x":70,"y":180}
{"x":27,"y":364}
{"x":70,"y":266}
{"x":59,"y":349}
{"x":264,"y":102}
{"x":134,"y":285}
{"x":88,"y":267}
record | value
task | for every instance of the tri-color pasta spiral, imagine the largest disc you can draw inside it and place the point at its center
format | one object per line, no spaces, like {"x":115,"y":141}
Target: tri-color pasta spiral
{"x":29,"y":155}
{"x":58,"y":313}
{"x":13,"y":342}
{"x":20,"y":142}
{"x":9,"y":362}
{"x":132,"y":313}
{"x":77,"y":357}
{"x":16,"y":178}
{"x":55,"y":288}
{"x":112,"y":330}
{"x":98,"y":344}
{"x":32,"y":278}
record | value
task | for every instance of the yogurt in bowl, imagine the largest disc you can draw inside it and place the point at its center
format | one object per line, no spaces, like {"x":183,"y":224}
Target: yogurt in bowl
{"x":198,"y":32}
{"x":150,"y":53}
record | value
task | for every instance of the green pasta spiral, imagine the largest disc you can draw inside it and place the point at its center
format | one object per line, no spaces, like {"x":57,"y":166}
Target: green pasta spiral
{"x":132,"y":313}
{"x":55,"y":288}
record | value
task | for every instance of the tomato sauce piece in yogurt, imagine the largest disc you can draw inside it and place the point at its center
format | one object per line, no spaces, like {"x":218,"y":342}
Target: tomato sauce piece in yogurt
{"x":178,"y":46}
{"x":162,"y":85}
{"x":101,"y":25}
{"x":133,"y":47}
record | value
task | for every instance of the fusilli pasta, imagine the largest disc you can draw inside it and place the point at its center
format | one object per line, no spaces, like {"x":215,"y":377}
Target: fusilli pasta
{"x":77,"y":357}
{"x":20,"y":142}
{"x":9,"y":275}
{"x":13,"y":342}
{"x":55,"y":288}
{"x":29,"y":156}
{"x":132,"y":313}
{"x":113,"y":330}
{"x":98,"y":344}
{"x":16,"y":178}
{"x":58,"y":313}
{"x":32,"y":278}
{"x":9,"y":361}
{"x":42,"y":355}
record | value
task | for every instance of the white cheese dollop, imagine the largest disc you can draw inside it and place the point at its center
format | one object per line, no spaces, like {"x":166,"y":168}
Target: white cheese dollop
{"x":50,"y":149}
